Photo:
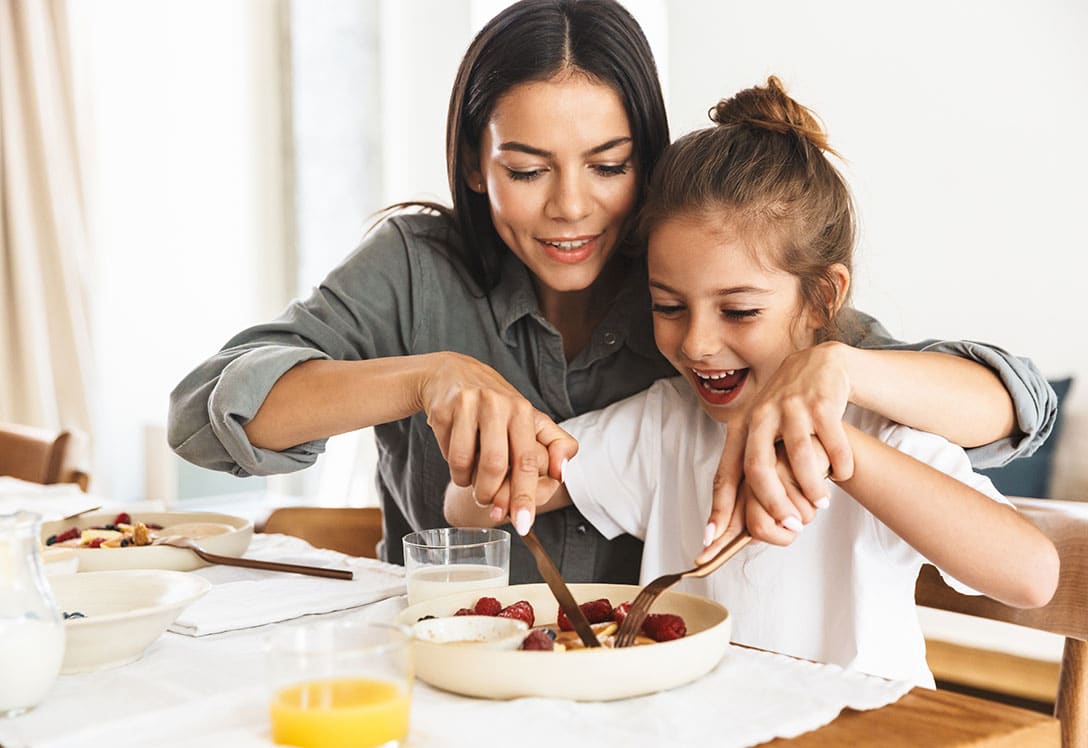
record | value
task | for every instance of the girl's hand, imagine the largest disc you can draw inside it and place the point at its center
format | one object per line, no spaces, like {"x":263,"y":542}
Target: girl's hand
{"x":488,"y":431}
{"x":805,"y":398}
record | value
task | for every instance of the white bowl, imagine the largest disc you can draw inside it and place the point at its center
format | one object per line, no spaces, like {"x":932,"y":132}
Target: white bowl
{"x":599,"y":674}
{"x":59,"y":561}
{"x":227,"y":542}
{"x":488,"y":632}
{"x":124,"y":612}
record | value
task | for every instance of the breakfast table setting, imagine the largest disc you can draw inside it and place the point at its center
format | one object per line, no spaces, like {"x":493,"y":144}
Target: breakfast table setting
{"x":207,"y":673}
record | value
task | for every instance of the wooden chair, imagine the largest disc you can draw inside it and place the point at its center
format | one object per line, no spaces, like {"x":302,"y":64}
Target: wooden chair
{"x":1065,"y":523}
{"x":352,"y":530}
{"x":41,"y":456}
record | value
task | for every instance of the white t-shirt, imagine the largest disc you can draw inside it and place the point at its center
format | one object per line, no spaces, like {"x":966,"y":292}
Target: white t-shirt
{"x":842,"y":593}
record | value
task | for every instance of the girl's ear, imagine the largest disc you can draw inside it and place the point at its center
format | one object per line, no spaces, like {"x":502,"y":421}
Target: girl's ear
{"x":840,"y":278}
{"x":836,"y":291}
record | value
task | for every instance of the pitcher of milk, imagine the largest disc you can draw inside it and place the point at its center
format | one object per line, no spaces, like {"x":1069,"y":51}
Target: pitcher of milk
{"x":31,"y":626}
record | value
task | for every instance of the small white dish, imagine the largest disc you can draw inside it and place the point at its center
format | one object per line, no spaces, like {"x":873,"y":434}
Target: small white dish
{"x":124,"y":612}
{"x":487,"y":632}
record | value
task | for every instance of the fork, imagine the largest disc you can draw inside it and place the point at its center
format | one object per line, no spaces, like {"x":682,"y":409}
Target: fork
{"x":640,"y":607}
{"x":180,"y":541}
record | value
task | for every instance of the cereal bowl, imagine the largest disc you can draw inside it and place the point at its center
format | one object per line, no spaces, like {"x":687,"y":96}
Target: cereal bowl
{"x":123,"y":613}
{"x":599,"y":674}
{"x":224,"y":534}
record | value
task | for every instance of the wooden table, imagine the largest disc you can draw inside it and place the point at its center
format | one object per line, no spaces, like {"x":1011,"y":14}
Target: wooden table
{"x":934,"y":719}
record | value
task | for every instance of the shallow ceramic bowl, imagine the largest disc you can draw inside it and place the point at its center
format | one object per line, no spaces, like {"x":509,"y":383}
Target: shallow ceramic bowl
{"x":488,"y":632}
{"x":124,"y":612}
{"x":598,"y":674}
{"x":232,"y":539}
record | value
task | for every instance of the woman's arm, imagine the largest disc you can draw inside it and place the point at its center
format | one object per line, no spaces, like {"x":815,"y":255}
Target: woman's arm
{"x":955,"y":397}
{"x":981,"y":542}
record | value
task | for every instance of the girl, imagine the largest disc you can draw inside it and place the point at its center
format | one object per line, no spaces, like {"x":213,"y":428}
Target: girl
{"x":463,"y":333}
{"x":751,"y":233}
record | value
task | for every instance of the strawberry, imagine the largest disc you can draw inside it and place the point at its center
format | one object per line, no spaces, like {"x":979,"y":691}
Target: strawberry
{"x":663,"y":627}
{"x":487,"y":606}
{"x":621,"y":612}
{"x":595,"y":611}
{"x":538,"y":639}
{"x":520,"y":610}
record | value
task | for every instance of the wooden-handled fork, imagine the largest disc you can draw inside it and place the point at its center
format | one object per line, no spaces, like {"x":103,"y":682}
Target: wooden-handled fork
{"x":640,"y":607}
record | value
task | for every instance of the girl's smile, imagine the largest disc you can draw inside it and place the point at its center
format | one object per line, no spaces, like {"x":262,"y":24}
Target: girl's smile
{"x":724,"y":316}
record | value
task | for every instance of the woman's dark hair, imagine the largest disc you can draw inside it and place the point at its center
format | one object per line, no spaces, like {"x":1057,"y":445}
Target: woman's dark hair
{"x":530,"y":41}
{"x":763,"y":171}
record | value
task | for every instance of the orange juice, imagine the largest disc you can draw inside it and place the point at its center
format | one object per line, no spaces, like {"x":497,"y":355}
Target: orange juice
{"x":340,"y":713}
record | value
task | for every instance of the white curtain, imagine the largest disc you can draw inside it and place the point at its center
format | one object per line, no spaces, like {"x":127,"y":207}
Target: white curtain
{"x":44,"y":347}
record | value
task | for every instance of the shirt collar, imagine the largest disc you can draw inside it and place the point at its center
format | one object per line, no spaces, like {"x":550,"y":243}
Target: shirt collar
{"x":628,"y":320}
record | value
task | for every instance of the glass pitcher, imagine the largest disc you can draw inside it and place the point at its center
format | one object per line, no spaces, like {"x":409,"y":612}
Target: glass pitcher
{"x":31,"y":626}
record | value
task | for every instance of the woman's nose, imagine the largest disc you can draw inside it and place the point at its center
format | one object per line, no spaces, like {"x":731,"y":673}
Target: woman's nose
{"x":570,"y":200}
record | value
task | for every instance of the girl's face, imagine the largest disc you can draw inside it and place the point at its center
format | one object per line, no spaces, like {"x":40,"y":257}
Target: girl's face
{"x":556,"y":161}
{"x":725,"y":319}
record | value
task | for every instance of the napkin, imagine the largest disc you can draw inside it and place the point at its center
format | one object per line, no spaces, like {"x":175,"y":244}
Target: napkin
{"x":750,"y":698}
{"x":245,"y":598}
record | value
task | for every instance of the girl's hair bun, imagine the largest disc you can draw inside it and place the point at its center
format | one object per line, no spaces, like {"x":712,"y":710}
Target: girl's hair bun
{"x":771,"y":108}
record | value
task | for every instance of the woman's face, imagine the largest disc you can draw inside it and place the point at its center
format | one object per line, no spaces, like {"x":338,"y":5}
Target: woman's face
{"x":725,"y":320}
{"x":556,"y":161}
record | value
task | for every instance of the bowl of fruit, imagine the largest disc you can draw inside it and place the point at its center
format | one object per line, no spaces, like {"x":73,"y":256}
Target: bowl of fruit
{"x":684,"y":638}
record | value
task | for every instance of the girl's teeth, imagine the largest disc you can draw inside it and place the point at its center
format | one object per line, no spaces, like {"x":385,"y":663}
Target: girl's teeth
{"x":729,"y":373}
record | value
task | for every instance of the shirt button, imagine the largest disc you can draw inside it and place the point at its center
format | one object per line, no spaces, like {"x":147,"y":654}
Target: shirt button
{"x":581,"y":529}
{"x":610,"y":338}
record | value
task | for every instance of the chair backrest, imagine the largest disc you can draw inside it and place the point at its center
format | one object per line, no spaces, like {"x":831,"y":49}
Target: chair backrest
{"x":352,"y":530}
{"x":1066,"y":524}
{"x":41,"y":456}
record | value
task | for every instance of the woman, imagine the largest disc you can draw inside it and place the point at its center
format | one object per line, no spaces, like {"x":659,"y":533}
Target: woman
{"x":462,"y":335}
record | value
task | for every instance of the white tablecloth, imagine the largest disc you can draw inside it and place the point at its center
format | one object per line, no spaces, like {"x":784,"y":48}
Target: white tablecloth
{"x":207,"y":691}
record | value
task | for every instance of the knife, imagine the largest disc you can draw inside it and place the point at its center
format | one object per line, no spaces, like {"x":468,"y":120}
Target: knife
{"x":559,"y":588}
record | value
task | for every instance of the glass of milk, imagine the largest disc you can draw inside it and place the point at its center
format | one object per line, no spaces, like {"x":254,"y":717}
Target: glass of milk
{"x":451,"y":559}
{"x":31,"y":627}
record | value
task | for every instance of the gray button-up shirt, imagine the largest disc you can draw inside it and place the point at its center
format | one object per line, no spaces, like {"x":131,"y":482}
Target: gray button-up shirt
{"x":403,"y":292}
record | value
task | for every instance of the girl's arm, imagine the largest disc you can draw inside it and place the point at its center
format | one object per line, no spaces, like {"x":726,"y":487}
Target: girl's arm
{"x":961,"y":400}
{"x":462,"y":509}
{"x":981,"y":542}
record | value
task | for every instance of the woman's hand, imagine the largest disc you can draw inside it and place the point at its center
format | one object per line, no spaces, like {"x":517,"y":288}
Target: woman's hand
{"x":763,"y":521}
{"x":783,"y":445}
{"x":488,"y":431}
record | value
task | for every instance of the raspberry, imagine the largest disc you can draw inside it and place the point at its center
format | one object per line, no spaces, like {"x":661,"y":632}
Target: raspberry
{"x":621,"y":611}
{"x":538,"y":640}
{"x":465,"y":612}
{"x":95,"y":542}
{"x":520,"y":610}
{"x":122,"y":519}
{"x":70,"y":534}
{"x":488,"y":606}
{"x":663,"y":627}
{"x":596,"y":611}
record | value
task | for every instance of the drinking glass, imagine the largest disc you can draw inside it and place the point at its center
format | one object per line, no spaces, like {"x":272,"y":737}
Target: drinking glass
{"x":340,"y":684}
{"x":451,"y":559}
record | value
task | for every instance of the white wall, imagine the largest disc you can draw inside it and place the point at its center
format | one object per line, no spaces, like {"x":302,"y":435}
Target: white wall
{"x":963,"y":127}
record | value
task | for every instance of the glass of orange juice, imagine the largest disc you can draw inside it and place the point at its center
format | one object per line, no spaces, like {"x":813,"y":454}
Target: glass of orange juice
{"x":340,"y":684}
